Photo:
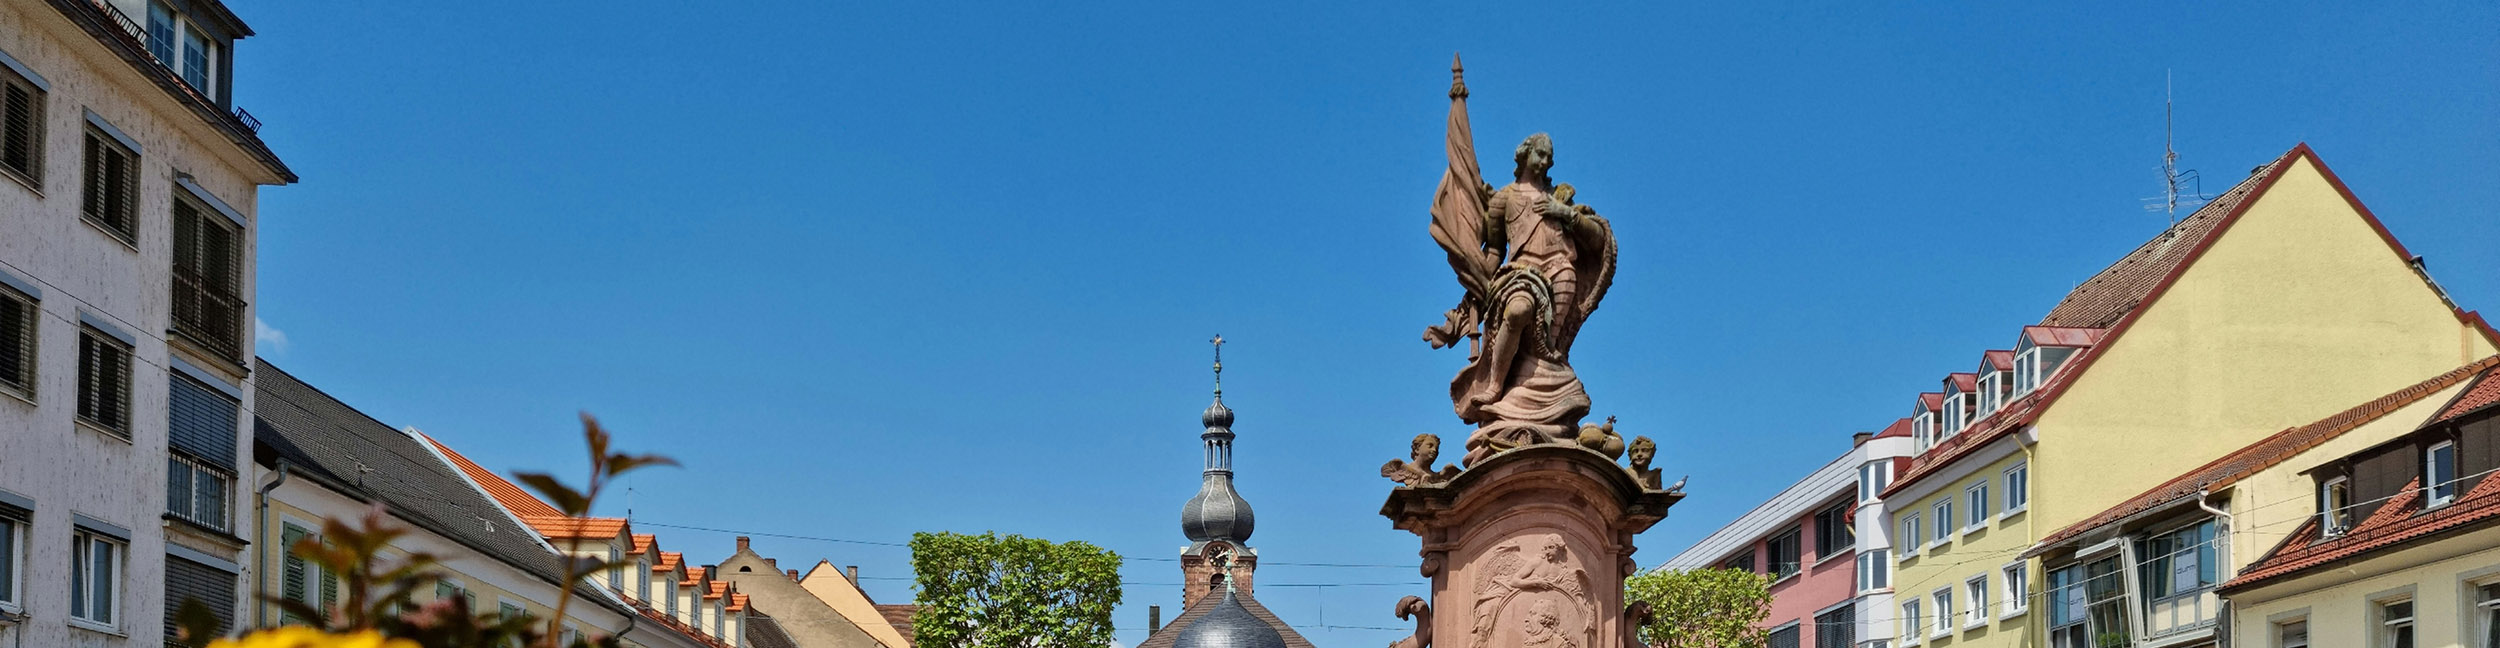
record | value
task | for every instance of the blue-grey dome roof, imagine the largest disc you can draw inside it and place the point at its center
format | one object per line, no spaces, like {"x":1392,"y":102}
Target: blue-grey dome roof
{"x":1217,"y":415}
{"x":1229,"y":625}
{"x":1216,"y":512}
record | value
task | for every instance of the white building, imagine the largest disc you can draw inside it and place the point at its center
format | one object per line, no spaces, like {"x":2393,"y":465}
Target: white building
{"x":128,"y":181}
{"x":1824,"y":542}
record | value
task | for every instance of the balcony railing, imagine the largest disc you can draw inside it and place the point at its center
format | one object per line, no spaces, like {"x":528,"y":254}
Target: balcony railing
{"x":138,"y":34}
{"x":209,"y":316}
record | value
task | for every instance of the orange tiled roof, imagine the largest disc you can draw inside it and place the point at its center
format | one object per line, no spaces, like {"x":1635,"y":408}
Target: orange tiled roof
{"x":1933,"y":400}
{"x":2266,"y":453}
{"x":2399,"y":521}
{"x":668,"y":562}
{"x":1965,"y":381}
{"x":737,"y":602}
{"x":1998,"y":359}
{"x":642,"y":544}
{"x":590,"y":528}
{"x":2484,"y":393}
{"x":510,"y":496}
{"x":719,"y":588}
{"x":694,"y":577}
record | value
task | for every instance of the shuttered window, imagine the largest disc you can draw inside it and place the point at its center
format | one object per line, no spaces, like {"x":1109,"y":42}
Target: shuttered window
{"x":111,"y":198}
{"x":189,"y":581}
{"x":202,"y":422}
{"x":301,"y":579}
{"x":21,"y":127}
{"x":17,"y":342}
{"x":104,"y":382}
{"x":208,"y":278}
{"x":13,"y":527}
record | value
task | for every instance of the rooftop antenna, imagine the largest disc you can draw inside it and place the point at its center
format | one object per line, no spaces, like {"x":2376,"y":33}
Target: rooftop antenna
{"x":2172,"y":178}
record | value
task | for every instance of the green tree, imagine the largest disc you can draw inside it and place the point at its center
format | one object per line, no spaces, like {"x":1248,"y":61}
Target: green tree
{"x":1702,"y":608}
{"x":987,"y":591}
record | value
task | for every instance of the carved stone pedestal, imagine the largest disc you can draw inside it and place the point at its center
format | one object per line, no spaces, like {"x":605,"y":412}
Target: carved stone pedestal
{"x":1529,"y":548}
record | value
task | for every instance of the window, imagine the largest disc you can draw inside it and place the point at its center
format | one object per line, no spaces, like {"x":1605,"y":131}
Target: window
{"x":1837,"y":628}
{"x":445,"y":590}
{"x":1783,"y":554}
{"x":186,"y":580}
{"x":1913,"y":625}
{"x":2026,"y":369}
{"x":1988,"y":384}
{"x":2292,"y":634}
{"x":1977,"y":495}
{"x":95,"y":569}
{"x":161,"y":32}
{"x":21,"y":128}
{"x":2487,"y":613}
{"x":672,"y":598}
{"x":1872,"y":478}
{"x":200,"y":467}
{"x":1944,"y":520}
{"x":2017,"y":487}
{"x":1911,"y":535}
{"x":13,"y":527}
{"x":2396,"y":624}
{"x":2335,"y":506}
{"x":104,"y":382}
{"x":2177,"y":563}
{"x":2017,"y":589}
{"x":1784,"y":637}
{"x":301,"y":579}
{"x":616,"y":580}
{"x":1977,"y":589}
{"x":1944,"y":612}
{"x":509,"y":610}
{"x":1873,"y":572}
{"x":2439,"y":473}
{"x":198,"y":61}
{"x":112,"y":186}
{"x":1956,"y":409}
{"x":1742,"y":562}
{"x":1831,"y":531}
{"x":17,"y":342}
{"x":208,"y":279}
{"x":2087,"y":606}
{"x":1923,"y":426}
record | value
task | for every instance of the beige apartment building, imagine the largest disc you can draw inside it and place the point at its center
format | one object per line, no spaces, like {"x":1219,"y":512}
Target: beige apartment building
{"x":128,"y":185}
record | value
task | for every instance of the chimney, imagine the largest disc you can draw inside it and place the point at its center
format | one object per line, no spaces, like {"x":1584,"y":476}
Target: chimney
{"x":774,"y":563}
{"x":1860,"y":438}
{"x":794,"y":574}
{"x":853,"y":572}
{"x":742,"y":543}
{"x":1154,"y":619}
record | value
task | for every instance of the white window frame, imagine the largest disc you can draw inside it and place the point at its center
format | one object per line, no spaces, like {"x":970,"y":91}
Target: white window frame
{"x":1871,"y":565}
{"x":2017,"y":482}
{"x":642,"y":576}
{"x":1977,"y":588}
{"x":13,"y":543}
{"x":2383,"y":630}
{"x":1955,"y":414}
{"x":2026,"y":370}
{"x":1914,"y":532}
{"x":1923,"y":425}
{"x":2483,"y":601}
{"x":2278,"y":628}
{"x":1976,"y":496}
{"x":1943,"y":596}
{"x":82,"y":561}
{"x":2333,"y":496}
{"x":2431,"y":481}
{"x":1913,"y":622}
{"x":1943,"y":508}
{"x":2017,"y":579}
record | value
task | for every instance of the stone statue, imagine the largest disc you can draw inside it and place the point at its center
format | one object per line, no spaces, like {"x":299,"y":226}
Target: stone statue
{"x":1426,"y":450}
{"x":1536,"y":575}
{"x":1636,"y":616}
{"x":1415,"y":607}
{"x":1534,"y":264}
{"x":1643,"y":451}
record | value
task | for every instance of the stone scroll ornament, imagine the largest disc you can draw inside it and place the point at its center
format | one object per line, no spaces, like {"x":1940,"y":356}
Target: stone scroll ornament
{"x":1533,"y":264}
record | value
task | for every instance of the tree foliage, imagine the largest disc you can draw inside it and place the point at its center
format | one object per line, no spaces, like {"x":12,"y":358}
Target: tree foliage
{"x":1702,"y":608}
{"x":988,"y":591}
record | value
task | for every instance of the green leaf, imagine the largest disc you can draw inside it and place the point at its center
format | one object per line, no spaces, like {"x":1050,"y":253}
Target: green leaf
{"x":566,"y":499}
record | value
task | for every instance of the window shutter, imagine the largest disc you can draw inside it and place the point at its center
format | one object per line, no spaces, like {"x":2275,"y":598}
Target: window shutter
{"x":126,"y":180}
{"x":93,"y":191}
{"x":329,"y":588}
{"x":17,"y":342}
{"x":203,"y":422}
{"x":186,"y":580}
{"x":296,"y":567}
{"x":20,"y":145}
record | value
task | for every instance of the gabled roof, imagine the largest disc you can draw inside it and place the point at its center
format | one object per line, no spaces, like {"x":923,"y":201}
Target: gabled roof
{"x":2268,"y":452}
{"x":1933,"y":400}
{"x":2400,"y":521}
{"x":1165,"y":636}
{"x":669,"y":562}
{"x":899,"y":616}
{"x":693,"y":578}
{"x":1900,"y":427}
{"x":520,"y":502}
{"x":642,"y":544}
{"x":562,"y":528}
{"x":1966,"y":382}
{"x":1997,"y":359}
{"x":763,"y":631}
{"x":2484,"y":394}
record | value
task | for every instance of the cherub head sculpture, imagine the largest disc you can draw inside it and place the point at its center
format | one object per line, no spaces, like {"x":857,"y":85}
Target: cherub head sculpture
{"x":1643,"y":451}
{"x":1427,"y":449}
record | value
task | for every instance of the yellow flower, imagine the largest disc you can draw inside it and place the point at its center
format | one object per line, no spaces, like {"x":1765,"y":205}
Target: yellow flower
{"x":302,"y":637}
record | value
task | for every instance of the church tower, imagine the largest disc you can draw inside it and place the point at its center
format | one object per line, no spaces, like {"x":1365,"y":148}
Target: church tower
{"x":1217,"y":520}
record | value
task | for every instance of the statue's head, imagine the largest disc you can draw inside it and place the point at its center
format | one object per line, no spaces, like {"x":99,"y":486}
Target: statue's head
{"x":1427,"y":448}
{"x":1535,"y":157}
{"x":1553,"y":550}
{"x":1643,"y":450}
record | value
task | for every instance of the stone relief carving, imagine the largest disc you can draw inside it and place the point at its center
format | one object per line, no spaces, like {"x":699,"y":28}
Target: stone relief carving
{"x":1532,"y":592}
{"x":1426,"y":450}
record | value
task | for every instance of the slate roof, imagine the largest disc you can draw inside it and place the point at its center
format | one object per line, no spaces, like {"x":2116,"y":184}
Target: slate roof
{"x":1164,"y":638}
{"x":2268,"y":452}
{"x":764,"y":632}
{"x":899,"y":616}
{"x":326,"y":440}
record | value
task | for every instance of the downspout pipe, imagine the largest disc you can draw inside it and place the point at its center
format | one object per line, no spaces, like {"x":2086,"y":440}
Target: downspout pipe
{"x":260,"y":524}
{"x":2222,"y":536}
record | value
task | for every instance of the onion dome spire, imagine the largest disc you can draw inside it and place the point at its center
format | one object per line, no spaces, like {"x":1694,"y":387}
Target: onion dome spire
{"x":1216,"y":512}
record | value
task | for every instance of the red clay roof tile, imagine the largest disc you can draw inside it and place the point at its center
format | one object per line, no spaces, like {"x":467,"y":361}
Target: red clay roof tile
{"x":510,"y":496}
{"x":2484,"y":393}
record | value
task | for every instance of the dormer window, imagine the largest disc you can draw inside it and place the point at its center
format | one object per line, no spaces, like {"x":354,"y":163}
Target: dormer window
{"x":2439,"y":473}
{"x":1955,"y":404}
{"x":1923,"y":424}
{"x":182,"y":44}
{"x":1996,"y":382}
{"x":2334,"y":506}
{"x":1989,"y":397}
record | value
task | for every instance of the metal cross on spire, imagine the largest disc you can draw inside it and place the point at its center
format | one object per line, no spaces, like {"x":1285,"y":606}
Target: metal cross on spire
{"x":1219,"y":365}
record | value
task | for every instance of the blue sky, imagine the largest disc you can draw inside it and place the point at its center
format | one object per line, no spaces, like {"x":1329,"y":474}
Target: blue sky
{"x":870,"y":270}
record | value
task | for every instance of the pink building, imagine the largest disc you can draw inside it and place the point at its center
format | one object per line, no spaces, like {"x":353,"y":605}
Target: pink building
{"x":1824,"y":544}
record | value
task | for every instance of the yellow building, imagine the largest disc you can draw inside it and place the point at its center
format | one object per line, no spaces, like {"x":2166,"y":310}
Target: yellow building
{"x":2274,"y":305}
{"x":321,"y":459}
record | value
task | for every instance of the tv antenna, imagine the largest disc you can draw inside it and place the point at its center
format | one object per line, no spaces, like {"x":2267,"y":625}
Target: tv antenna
{"x":2172,"y":178}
